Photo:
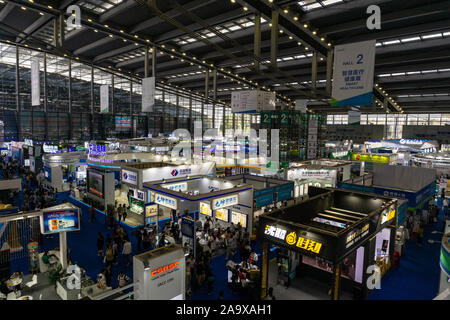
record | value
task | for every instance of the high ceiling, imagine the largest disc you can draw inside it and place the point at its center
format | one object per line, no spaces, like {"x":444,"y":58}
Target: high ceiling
{"x":192,"y":36}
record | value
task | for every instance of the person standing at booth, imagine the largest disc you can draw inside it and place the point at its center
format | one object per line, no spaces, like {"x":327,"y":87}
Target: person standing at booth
{"x":445,"y":206}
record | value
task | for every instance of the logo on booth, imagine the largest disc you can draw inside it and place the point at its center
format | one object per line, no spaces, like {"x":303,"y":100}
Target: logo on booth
{"x":174,"y":172}
{"x":169,"y":267}
{"x":125,"y":176}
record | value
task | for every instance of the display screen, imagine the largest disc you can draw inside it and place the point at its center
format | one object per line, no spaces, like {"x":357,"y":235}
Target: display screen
{"x":237,"y":217}
{"x":48,"y":173}
{"x":151,"y":211}
{"x":60,"y":221}
{"x":96,"y":183}
{"x":136,"y":206}
{"x":205,"y":208}
{"x":222,"y":214}
{"x":123,"y":123}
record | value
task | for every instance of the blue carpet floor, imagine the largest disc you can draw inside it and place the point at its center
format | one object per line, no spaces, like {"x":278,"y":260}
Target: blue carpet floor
{"x":417,"y":277}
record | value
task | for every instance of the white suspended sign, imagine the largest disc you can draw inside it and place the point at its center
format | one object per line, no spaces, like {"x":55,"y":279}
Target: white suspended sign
{"x":148,"y":94}
{"x":353,"y":74}
{"x":35,"y":83}
{"x":251,"y":101}
{"x":166,"y":201}
{"x":129,"y":177}
{"x":354,"y":117}
{"x":300,"y":105}
{"x":225,"y":201}
{"x":104,"y":98}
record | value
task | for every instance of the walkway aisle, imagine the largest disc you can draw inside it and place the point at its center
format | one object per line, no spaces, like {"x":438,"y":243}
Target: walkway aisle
{"x":417,"y":277}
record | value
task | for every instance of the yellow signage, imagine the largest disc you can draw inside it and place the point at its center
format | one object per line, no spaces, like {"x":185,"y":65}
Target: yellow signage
{"x":205,"y":208}
{"x":292,"y":239}
{"x":222,"y":214}
{"x":370,"y":158}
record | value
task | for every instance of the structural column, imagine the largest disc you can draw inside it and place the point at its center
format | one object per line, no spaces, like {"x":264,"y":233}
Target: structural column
{"x":264,"y":268}
{"x":274,"y":40}
{"x":92,"y":104}
{"x":18,"y":111}
{"x":214,"y":97}
{"x":257,"y":42}
{"x":330,"y":57}
{"x":131,"y":111}
{"x":45,"y":102}
{"x":314,"y":74}
{"x":70,"y":101}
{"x":190,"y":114}
{"x":336,"y":282}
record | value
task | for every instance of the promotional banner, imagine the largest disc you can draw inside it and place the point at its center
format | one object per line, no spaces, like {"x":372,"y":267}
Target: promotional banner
{"x":104,"y":98}
{"x":60,"y":221}
{"x":353,"y":74}
{"x":312,"y":139}
{"x":130,"y":177}
{"x":300,"y":105}
{"x":123,"y":123}
{"x":225,"y":201}
{"x":354,"y":117}
{"x":35,"y":83}
{"x":251,"y":101}
{"x":166,"y":201}
{"x":148,"y":94}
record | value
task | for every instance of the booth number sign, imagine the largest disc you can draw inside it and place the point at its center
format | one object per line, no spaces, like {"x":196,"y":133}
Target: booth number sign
{"x":292,"y":239}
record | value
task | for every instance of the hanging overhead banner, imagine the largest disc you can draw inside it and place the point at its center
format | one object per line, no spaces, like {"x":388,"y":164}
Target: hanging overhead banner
{"x":104,"y":98}
{"x":148,"y":94}
{"x":35,"y":83}
{"x":300,"y":105}
{"x":252,"y":101}
{"x":354,"y":117}
{"x":353,"y":74}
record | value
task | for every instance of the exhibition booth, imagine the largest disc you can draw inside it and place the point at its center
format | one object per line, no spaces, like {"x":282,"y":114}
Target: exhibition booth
{"x":333,"y":237}
{"x":417,"y":185}
{"x":62,"y":168}
{"x":160,"y":274}
{"x":32,"y":156}
{"x":202,"y":197}
{"x":267,"y":192}
{"x":318,"y":173}
{"x":439,"y":161}
{"x":135,"y":175}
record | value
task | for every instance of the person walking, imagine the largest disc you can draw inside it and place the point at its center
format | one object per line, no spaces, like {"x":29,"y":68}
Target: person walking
{"x":126,"y":252}
{"x":228,"y":246}
{"x":109,"y":255}
{"x":108,"y":275}
{"x":200,"y":273}
{"x":124,"y":212}
{"x":188,"y":278}
{"x":100,"y":244}
{"x":122,"y":279}
{"x":445,"y":206}
{"x":119,"y":213}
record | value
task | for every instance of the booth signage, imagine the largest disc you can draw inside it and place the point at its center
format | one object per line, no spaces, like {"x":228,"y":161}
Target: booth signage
{"x":28,"y":142}
{"x":205,"y":208}
{"x":166,"y":201}
{"x":356,"y":235}
{"x":292,"y":239}
{"x":97,"y":150}
{"x":50,"y":148}
{"x":225,"y":201}
{"x":129,"y":177}
{"x":297,"y":174}
{"x":222,"y":214}
{"x":60,"y":221}
{"x":180,"y":186}
{"x":264,"y":200}
{"x":370,"y":158}
{"x":187,"y":227}
{"x":387,"y":215}
{"x":169,"y":267}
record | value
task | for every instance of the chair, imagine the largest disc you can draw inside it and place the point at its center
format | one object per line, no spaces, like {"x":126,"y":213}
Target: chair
{"x":33,"y":281}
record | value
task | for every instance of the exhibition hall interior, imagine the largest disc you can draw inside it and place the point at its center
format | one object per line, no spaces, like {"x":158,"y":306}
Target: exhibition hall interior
{"x":234,"y":150}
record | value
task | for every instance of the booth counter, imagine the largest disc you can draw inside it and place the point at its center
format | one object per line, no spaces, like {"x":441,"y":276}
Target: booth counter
{"x":336,"y":235}
{"x":61,"y":168}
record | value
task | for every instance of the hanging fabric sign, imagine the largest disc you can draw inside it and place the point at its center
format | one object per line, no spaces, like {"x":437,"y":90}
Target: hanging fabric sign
{"x":35,"y":83}
{"x":148,"y":94}
{"x":353,"y":74}
{"x":104,"y":98}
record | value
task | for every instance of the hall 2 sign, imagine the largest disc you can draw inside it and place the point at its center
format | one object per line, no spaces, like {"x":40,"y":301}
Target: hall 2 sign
{"x":225,"y":202}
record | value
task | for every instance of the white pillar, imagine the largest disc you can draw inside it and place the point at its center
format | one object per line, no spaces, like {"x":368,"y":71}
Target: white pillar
{"x":63,"y":248}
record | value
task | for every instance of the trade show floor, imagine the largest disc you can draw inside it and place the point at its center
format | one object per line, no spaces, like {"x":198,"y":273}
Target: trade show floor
{"x":304,"y":288}
{"x":417,"y":276}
